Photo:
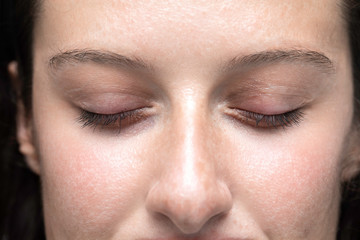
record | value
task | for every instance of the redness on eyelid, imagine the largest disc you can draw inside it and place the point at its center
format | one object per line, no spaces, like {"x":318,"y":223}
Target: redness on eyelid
{"x":268,"y":105}
{"x":264,"y":106}
{"x":266,"y":98}
{"x":111,"y":103}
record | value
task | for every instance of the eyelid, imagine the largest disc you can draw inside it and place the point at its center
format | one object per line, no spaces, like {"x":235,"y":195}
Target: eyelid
{"x":112,"y":121}
{"x":106,"y":104}
{"x":286,"y":119}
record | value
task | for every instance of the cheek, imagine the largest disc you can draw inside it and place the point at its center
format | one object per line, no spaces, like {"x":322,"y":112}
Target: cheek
{"x":299,"y":179}
{"x":87,"y":184}
{"x":292,"y":184}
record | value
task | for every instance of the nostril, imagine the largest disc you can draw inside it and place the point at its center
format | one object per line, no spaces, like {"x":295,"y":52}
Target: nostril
{"x":190,"y":211}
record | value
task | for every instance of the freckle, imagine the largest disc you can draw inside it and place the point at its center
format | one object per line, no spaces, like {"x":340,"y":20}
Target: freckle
{"x":306,"y":232}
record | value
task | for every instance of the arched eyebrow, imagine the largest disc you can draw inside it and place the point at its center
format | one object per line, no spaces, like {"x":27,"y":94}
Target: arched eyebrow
{"x":98,"y":57}
{"x":307,"y":57}
{"x":313,"y":58}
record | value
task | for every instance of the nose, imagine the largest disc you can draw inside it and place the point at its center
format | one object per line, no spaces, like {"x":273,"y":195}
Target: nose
{"x":189,"y":191}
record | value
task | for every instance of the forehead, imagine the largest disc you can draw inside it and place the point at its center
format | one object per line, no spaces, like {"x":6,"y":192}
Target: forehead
{"x":181,"y":29}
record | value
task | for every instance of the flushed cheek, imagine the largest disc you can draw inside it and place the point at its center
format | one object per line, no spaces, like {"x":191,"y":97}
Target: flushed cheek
{"x":90,"y":187}
{"x":295,"y":186}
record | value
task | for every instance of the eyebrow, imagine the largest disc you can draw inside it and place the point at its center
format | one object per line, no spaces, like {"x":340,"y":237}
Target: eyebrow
{"x":313,"y":58}
{"x":97,"y":57}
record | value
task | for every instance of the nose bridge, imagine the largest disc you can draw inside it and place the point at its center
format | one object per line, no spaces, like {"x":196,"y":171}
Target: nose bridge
{"x":192,"y":153}
{"x":191,"y":160}
{"x":189,"y":192}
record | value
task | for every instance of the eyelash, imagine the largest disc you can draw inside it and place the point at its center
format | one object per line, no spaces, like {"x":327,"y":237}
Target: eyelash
{"x":93,"y":120}
{"x":283,"y":120}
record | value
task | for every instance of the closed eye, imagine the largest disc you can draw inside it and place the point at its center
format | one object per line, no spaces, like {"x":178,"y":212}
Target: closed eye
{"x":283,"y":120}
{"x":116,"y":122}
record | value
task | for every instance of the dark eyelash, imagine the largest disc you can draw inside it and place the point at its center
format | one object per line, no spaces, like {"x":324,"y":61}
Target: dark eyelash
{"x":288,"y":119}
{"x":90,"y":119}
{"x":283,"y":120}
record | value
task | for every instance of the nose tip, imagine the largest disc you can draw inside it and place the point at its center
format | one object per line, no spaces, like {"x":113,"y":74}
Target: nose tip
{"x":191,"y":209}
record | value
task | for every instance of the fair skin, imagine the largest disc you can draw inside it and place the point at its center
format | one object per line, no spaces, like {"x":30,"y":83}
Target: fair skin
{"x":194,"y":161}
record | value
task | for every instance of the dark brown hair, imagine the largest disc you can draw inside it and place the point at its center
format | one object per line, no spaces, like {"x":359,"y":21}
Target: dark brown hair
{"x":20,"y":197}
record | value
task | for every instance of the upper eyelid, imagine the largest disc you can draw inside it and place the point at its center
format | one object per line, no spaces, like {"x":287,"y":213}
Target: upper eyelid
{"x":286,"y":119}
{"x":89,"y":113}
{"x":88,"y":118}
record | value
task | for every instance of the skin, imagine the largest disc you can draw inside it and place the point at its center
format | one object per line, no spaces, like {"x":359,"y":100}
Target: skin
{"x":189,"y":166}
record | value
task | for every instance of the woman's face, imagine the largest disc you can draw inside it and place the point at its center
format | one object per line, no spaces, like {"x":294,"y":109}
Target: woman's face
{"x":190,"y":119}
